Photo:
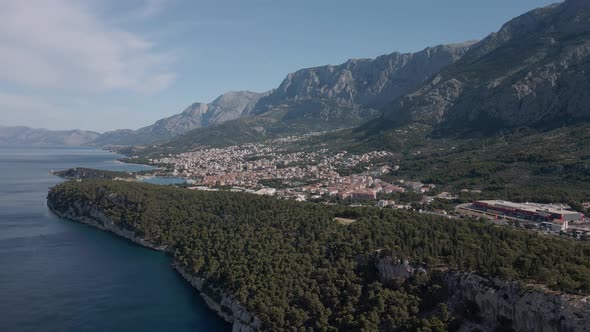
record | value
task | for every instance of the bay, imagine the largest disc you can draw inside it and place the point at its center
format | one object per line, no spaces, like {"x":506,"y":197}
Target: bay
{"x":57,"y":275}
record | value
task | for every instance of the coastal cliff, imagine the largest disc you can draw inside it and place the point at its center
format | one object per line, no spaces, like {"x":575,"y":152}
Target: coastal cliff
{"x":267,"y":264}
{"x":493,"y":303}
{"x":226,"y":305}
{"x":89,"y":215}
{"x":522,"y":308}
{"x":221,"y":302}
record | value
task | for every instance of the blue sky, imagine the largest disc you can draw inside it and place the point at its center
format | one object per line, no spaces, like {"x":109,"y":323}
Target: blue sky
{"x":109,"y":64}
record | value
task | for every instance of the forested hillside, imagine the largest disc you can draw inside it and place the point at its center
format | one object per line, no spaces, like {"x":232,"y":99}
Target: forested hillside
{"x":292,"y":265}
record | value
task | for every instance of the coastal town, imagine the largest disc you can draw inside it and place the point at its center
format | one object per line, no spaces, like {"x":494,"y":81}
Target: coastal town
{"x":270,"y":169}
{"x":256,"y":166}
{"x":275,"y":168}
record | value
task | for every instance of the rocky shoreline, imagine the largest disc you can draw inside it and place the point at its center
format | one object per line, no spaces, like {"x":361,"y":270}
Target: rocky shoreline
{"x":227,"y":307}
{"x":498,"y":303}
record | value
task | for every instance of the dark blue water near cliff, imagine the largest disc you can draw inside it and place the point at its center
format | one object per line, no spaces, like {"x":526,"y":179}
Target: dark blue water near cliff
{"x":57,"y":275}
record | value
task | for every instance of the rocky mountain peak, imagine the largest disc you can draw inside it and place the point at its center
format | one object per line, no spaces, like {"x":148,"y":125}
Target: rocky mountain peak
{"x":532,"y":72}
{"x":366,"y":82}
{"x":228,"y":106}
{"x":236,"y":99}
{"x":194,"y":109}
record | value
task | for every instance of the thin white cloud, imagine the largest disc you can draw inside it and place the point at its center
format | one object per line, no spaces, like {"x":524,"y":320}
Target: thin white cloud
{"x":62,"y":44}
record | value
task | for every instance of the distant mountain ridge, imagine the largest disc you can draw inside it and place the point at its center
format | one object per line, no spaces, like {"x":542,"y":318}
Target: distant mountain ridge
{"x":371,"y":83}
{"x":32,"y":136}
{"x":534,"y":72}
{"x":327,"y":97}
{"x":229,"y":106}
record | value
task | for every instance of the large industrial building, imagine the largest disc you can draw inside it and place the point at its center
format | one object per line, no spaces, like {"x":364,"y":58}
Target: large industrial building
{"x":542,"y":213}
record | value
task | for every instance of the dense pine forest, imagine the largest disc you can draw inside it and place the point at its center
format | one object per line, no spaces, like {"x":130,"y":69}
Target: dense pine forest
{"x":292,"y":265}
{"x":90,"y":173}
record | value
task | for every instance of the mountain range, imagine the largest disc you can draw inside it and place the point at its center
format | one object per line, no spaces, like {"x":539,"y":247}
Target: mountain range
{"x":327,"y":97}
{"x":371,"y":83}
{"x":228,"y":106}
{"x":31,"y":136}
{"x":534,"y":72}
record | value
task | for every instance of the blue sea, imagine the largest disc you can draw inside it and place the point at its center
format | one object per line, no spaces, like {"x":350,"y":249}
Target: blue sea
{"x":57,"y":275}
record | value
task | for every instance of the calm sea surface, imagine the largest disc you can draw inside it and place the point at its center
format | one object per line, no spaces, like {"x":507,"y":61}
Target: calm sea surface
{"x":57,"y":275}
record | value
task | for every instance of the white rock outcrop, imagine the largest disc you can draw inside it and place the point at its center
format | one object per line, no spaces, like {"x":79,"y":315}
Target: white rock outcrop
{"x":523,"y":308}
{"x":391,"y":268}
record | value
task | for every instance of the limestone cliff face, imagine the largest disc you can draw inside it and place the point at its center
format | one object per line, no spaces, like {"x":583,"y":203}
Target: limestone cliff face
{"x":369,"y":83}
{"x":229,"y":106}
{"x":92,"y":216}
{"x":391,"y":268}
{"x":227,"y":307}
{"x":525,"y":309}
{"x":500,"y":303}
{"x":326,"y":98}
{"x":533,"y":72}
